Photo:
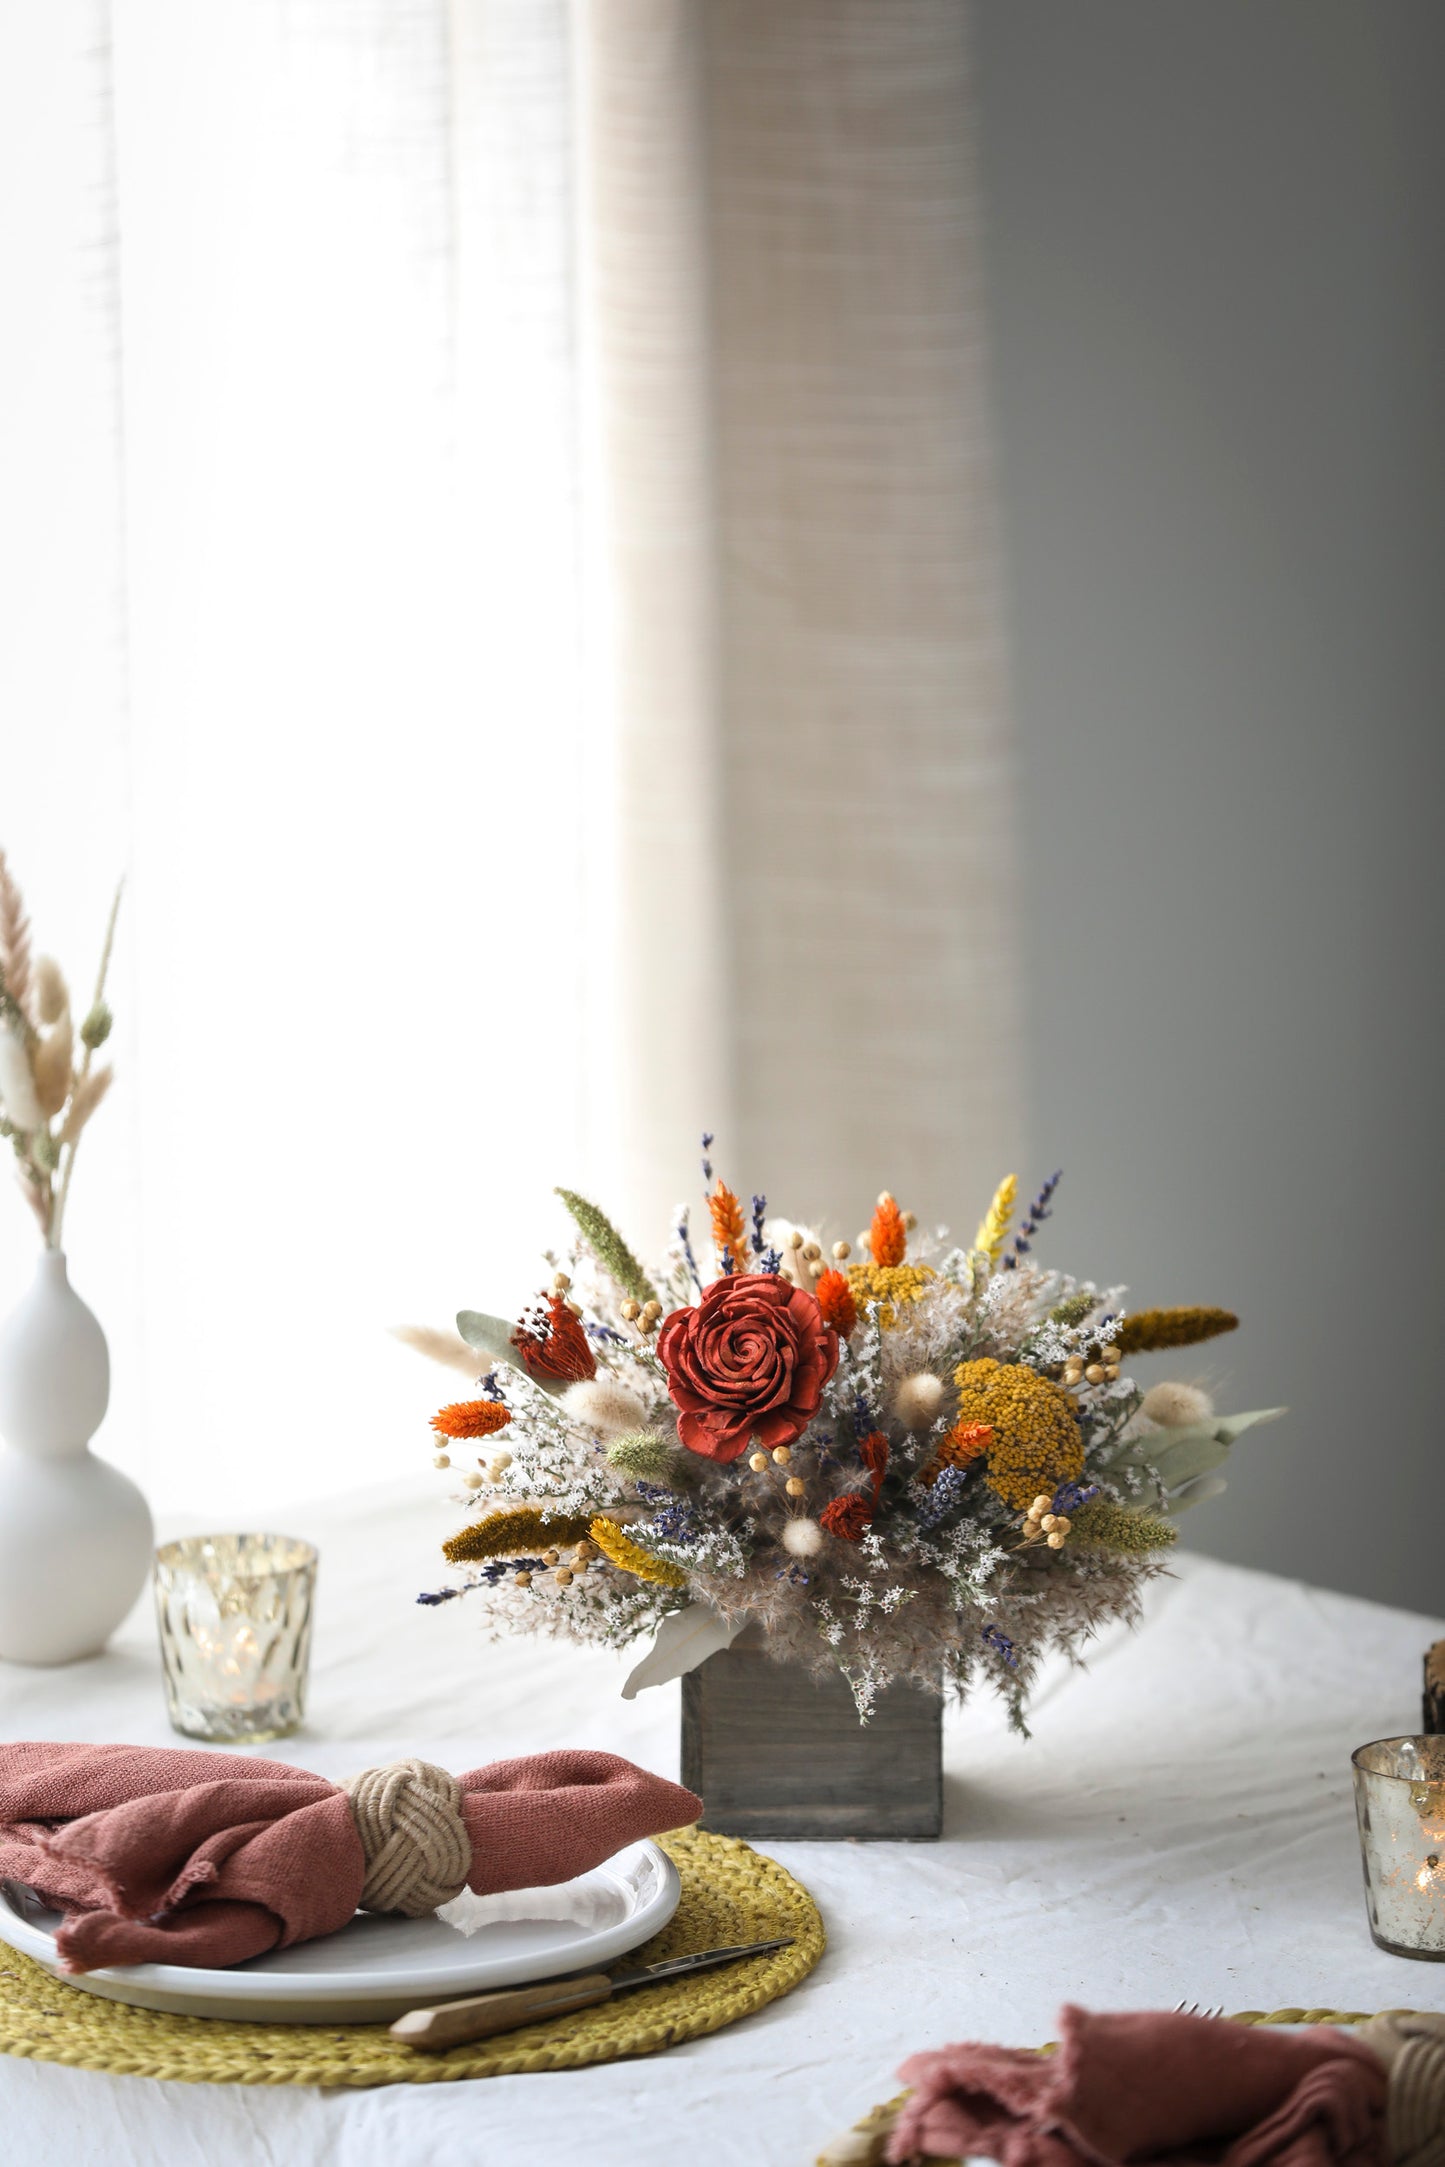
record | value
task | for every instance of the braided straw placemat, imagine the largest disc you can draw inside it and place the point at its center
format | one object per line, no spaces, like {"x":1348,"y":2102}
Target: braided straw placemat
{"x":730,"y":1894}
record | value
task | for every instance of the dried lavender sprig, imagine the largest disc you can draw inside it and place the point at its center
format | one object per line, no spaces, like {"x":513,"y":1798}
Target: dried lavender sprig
{"x":770,"y":1261}
{"x":994,"y":1637}
{"x":707,"y":1144}
{"x":685,"y":1243}
{"x":1039,"y":1210}
{"x":760,"y":1212}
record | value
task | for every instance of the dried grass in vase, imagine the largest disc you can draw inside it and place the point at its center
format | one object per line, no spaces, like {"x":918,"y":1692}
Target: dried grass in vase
{"x":49,"y":1085}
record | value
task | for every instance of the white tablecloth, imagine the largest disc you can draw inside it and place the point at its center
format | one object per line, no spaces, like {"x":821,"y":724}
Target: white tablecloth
{"x":1180,"y":1825}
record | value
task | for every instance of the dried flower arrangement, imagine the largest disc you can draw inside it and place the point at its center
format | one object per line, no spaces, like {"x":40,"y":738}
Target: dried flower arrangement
{"x":47,"y":1094}
{"x":907,"y":1459}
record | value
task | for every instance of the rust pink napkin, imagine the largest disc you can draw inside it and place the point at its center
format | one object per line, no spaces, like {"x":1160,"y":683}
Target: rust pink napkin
{"x":169,"y":1856}
{"x":1161,"y":2088}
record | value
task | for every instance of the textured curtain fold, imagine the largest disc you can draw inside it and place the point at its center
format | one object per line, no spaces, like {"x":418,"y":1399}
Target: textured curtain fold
{"x":792,"y":518}
{"x":557,"y":596}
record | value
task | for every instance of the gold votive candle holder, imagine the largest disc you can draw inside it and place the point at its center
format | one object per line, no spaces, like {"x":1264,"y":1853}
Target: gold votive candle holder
{"x":234,"y":1614}
{"x":1400,"y":1806}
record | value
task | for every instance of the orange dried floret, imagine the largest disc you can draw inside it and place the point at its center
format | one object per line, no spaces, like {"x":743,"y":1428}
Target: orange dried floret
{"x":835,"y":1299}
{"x":471,"y":1418}
{"x":887,"y":1236}
{"x":726,"y":1214}
{"x":960,"y":1448}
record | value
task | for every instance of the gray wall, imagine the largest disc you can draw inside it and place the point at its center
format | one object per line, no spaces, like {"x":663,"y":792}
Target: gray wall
{"x":1216,"y":284}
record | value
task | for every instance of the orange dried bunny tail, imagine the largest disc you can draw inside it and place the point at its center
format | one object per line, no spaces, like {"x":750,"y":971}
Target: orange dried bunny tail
{"x":887,"y":1236}
{"x":835,"y":1299}
{"x":728,"y":1230}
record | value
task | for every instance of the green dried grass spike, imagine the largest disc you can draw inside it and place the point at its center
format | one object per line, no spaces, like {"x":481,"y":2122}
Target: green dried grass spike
{"x":1113,"y":1527}
{"x":646,"y":1457}
{"x":607,"y":1245}
{"x":1073,"y":1309}
{"x":510,"y":1533}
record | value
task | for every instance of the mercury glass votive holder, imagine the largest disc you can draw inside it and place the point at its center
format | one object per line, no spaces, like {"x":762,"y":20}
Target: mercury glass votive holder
{"x":1400,"y":1806}
{"x":234,"y":1613}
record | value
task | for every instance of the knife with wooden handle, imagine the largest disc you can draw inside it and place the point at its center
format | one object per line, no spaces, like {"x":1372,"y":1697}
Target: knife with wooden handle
{"x":454,"y":2023}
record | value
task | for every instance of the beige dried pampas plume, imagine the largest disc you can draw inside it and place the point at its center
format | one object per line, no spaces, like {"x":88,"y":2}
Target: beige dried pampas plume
{"x":448,"y":1348}
{"x":1177,"y":1406}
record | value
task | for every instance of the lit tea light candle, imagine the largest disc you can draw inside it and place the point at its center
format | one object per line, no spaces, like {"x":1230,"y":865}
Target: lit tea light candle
{"x":1400,"y":1805}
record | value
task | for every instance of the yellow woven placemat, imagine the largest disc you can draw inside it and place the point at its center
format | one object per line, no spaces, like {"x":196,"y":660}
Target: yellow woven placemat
{"x":730,"y":1894}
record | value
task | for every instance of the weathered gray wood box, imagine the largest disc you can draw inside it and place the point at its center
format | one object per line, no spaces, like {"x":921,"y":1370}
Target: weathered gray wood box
{"x":775,"y":1752}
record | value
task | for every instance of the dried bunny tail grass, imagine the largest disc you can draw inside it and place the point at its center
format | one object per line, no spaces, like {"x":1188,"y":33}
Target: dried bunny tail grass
{"x":51,"y":1064}
{"x":52,"y":995}
{"x":1150,"y":1329}
{"x":512,"y":1533}
{"x":994,"y":1225}
{"x":607,"y":1245}
{"x":447,"y":1348}
{"x":729,"y":1230}
{"x":630,"y":1557}
{"x":1176,"y":1406}
{"x":647,"y":1456}
{"x":14,"y":941}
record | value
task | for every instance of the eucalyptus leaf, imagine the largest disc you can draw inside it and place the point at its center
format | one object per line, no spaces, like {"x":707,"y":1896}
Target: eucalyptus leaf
{"x":685,"y":1638}
{"x":1152,"y":1449}
{"x":492,"y":1336}
{"x":1186,"y":1455}
{"x":1197,"y":1492}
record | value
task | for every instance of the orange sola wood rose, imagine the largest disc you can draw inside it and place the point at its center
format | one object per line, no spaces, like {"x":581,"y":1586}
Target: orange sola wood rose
{"x":750,"y":1360}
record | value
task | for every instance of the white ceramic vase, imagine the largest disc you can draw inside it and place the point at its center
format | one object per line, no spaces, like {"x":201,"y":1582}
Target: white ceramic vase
{"x":75,"y":1534}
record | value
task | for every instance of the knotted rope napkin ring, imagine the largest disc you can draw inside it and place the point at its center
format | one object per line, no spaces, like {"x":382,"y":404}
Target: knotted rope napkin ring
{"x":418,"y":1853}
{"x":1412,"y":2048}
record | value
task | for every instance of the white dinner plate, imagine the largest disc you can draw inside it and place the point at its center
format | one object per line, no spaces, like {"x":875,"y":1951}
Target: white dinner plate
{"x":376,"y":1969}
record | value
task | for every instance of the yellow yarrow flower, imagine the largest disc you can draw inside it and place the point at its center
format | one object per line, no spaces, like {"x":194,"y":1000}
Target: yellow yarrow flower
{"x":630,"y":1557}
{"x":1036,"y":1442}
{"x":891,"y":1286}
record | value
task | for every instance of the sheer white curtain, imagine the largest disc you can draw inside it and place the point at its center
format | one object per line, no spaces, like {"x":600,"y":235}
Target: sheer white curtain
{"x":496,"y":544}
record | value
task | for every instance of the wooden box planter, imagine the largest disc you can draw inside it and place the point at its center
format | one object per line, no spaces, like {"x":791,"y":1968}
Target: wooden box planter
{"x":775,"y":1752}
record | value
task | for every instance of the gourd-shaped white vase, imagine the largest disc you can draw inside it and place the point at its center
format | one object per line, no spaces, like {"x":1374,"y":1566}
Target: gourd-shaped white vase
{"x":75,"y":1533}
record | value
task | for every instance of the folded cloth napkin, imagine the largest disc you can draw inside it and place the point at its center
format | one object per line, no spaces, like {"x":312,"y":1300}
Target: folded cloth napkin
{"x":1162,"y":2088}
{"x":169,"y":1856}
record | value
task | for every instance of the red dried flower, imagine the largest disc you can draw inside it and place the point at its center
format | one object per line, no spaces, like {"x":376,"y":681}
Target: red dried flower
{"x":873,"y":1452}
{"x":835,"y":1299}
{"x":553,"y":1344}
{"x":848,"y":1517}
{"x":751,"y":1360}
{"x":471,"y":1418}
{"x":887,"y":1236}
